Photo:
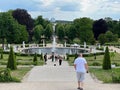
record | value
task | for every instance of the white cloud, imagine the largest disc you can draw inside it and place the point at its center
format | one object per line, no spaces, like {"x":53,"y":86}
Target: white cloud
{"x":67,"y":9}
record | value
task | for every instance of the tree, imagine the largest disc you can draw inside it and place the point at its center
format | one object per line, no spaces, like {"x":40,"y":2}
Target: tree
{"x":72,"y":33}
{"x":22,"y":16}
{"x":102,"y":39}
{"x":106,"y":60}
{"x":48,"y":31}
{"x":17,"y":33}
{"x":11,"y":30}
{"x":41,"y":21}
{"x":11,"y":60}
{"x":99,"y":26}
{"x":38,"y":31}
{"x":83,"y":28}
{"x":112,"y":55}
{"x":76,"y":40}
{"x":111,"y":37}
{"x":4,"y":25}
{"x":113,"y":25}
{"x":60,"y":31}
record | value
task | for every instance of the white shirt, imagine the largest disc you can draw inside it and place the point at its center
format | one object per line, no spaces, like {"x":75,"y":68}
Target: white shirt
{"x":80,"y":64}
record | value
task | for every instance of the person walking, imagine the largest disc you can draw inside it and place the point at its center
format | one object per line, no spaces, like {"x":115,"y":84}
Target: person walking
{"x":45,"y":58}
{"x":81,"y":67}
{"x":60,"y":60}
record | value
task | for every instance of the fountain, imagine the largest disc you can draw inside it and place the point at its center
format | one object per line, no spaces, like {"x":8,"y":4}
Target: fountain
{"x":53,"y":44}
{"x":53,"y":49}
{"x":54,"y":37}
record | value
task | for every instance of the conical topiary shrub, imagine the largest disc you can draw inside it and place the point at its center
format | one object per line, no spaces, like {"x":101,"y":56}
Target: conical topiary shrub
{"x":106,"y":60}
{"x":11,"y":60}
{"x":35,"y":61}
{"x":1,"y":51}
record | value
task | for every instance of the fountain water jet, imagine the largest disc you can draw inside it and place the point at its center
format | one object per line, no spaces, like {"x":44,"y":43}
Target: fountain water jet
{"x":54,"y":36}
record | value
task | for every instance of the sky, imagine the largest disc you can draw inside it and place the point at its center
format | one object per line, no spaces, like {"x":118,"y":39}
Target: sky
{"x":66,"y":9}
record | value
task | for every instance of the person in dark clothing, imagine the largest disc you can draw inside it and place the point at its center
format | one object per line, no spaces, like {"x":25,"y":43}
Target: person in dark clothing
{"x":60,"y":60}
{"x":52,"y":56}
{"x":45,"y":58}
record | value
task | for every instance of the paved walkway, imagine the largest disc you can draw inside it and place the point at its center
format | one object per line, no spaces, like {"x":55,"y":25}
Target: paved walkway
{"x":50,"y":77}
{"x":114,"y":49}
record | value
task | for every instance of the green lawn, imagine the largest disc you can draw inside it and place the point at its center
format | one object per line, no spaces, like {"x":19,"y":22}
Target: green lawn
{"x":106,"y":75}
{"x":20,"y":72}
{"x":21,"y":60}
{"x":24,"y":61}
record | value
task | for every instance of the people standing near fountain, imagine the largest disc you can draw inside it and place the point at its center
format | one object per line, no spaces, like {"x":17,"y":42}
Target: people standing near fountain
{"x":56,"y":57}
{"x":52,"y":56}
{"x":60,"y":60}
{"x":81,"y":67}
{"x":45,"y":58}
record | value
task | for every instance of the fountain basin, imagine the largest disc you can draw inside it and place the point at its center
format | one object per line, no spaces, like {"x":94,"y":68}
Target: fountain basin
{"x":58,"y":50}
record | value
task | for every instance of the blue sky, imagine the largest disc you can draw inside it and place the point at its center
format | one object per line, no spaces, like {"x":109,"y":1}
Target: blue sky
{"x":66,"y":9}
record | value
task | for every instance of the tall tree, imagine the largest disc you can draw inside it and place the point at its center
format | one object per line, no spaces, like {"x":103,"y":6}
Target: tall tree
{"x":48,"y":31}
{"x":3,"y":26}
{"x":22,"y":16}
{"x":11,"y":30}
{"x":60,"y":31}
{"x":41,"y":21}
{"x":99,"y":26}
{"x":38,"y":31}
{"x":72,"y":32}
{"x":84,"y":29}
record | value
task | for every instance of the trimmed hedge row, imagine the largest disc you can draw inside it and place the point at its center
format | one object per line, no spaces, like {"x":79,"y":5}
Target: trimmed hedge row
{"x":86,"y":55}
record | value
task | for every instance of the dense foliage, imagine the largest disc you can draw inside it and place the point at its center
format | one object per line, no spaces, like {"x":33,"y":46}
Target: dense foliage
{"x":17,"y":26}
{"x":24,"y":18}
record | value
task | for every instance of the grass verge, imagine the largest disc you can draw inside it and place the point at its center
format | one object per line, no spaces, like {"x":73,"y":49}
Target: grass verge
{"x":107,"y":76}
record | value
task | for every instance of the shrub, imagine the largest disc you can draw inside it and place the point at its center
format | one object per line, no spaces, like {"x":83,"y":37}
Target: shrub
{"x":35,"y":59}
{"x":41,"y":57}
{"x":106,"y":60}
{"x":5,"y":76}
{"x":11,"y":60}
{"x":1,"y":51}
{"x":115,"y":78}
{"x":96,"y":64}
{"x":116,"y":64}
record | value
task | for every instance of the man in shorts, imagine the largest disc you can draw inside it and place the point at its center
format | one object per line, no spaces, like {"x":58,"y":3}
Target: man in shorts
{"x":81,"y":67}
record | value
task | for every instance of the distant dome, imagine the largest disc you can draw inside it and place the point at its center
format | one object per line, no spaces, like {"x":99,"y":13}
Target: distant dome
{"x":52,"y":20}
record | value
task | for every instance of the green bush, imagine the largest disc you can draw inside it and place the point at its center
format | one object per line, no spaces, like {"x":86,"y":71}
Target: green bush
{"x":11,"y":60}
{"x":96,"y":64}
{"x":106,"y":60}
{"x":116,"y":64}
{"x":115,"y":78}
{"x":24,"y":63}
{"x":5,"y":76}
{"x":35,"y":61}
{"x":41,"y":57}
{"x":1,"y":52}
